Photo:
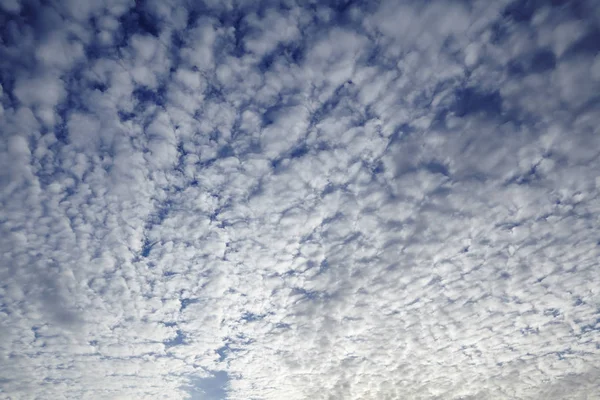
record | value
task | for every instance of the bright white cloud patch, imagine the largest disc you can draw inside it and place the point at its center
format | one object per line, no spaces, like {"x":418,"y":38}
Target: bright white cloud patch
{"x":321,"y":200}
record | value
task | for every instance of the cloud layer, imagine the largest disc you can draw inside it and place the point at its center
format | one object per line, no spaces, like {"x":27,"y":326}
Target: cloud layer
{"x":311,"y":200}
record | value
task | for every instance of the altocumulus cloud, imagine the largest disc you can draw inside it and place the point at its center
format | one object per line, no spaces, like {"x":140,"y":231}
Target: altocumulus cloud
{"x":299,"y":200}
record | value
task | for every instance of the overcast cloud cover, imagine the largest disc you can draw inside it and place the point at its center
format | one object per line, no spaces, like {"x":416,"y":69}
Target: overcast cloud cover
{"x":312,"y":200}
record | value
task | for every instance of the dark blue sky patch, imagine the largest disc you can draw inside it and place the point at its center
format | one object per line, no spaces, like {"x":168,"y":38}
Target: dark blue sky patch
{"x":521,"y":10}
{"x":36,"y":18}
{"x":235,"y":19}
{"x":181,"y":153}
{"x":52,"y":172}
{"x":186,"y":302}
{"x":323,"y":266}
{"x":257,"y":190}
{"x":100,"y":86}
{"x":138,"y":20}
{"x":400,"y":133}
{"x":542,"y":61}
{"x":16,"y":57}
{"x":215,"y":135}
{"x":469,"y":101}
{"x":96,"y":50}
{"x":331,"y":103}
{"x":500,"y":31}
{"x":343,"y":11}
{"x":376,"y":57}
{"x":527,"y":331}
{"x":537,"y":62}
{"x":146,"y":247}
{"x":590,"y":328}
{"x":125,"y":115}
{"x":15,"y":28}
{"x":161,"y":212}
{"x":36,"y":332}
{"x":144,"y":94}
{"x":310,"y":295}
{"x":272,"y":113}
{"x":222,"y":352}
{"x":176,"y":341}
{"x":276,"y":164}
{"x":295,"y":52}
{"x":553,"y":312}
{"x":589,"y":44}
{"x":240,"y":30}
{"x":62,"y":133}
{"x":176,"y":44}
{"x":73,"y":103}
{"x":194,"y":14}
{"x":283,"y":326}
{"x":563,"y":355}
{"x":505,"y":275}
{"x":299,"y":151}
{"x":213,"y":92}
{"x":526,"y":178}
{"x":509,"y":225}
{"x":290,"y":53}
{"x":422,"y":100}
{"x":266,"y":62}
{"x":214,"y":216}
{"x":251,"y":317}
{"x":226,"y":151}
{"x":262,"y":7}
{"x":7,"y":80}
{"x":378,"y":168}
{"x":436,"y":167}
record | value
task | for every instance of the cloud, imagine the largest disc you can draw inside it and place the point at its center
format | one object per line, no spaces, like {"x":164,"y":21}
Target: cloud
{"x":287,"y":200}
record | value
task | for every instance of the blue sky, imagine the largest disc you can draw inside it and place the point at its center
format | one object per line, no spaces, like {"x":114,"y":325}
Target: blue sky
{"x":299,"y":199}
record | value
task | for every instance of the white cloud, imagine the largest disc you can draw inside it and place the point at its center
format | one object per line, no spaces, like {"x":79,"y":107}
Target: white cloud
{"x":373,"y":202}
{"x":40,"y":91}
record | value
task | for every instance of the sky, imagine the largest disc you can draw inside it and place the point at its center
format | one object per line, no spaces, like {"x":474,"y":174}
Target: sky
{"x":256,"y":199}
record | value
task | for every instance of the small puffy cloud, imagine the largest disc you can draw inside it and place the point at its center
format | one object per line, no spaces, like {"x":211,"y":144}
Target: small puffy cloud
{"x":40,"y":91}
{"x":84,"y":130}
